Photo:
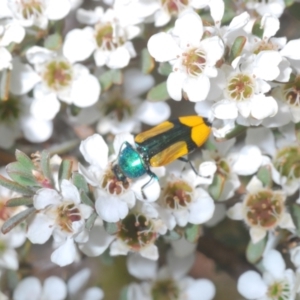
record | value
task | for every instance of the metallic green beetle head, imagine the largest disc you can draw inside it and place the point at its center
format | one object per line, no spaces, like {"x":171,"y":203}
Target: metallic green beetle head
{"x":130,"y":163}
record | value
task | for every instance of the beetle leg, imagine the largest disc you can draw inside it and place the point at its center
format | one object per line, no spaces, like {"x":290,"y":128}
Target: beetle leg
{"x":186,"y":160}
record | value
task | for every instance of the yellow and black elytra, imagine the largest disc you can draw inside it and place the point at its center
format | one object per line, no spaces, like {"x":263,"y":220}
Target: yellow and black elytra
{"x":160,"y":146}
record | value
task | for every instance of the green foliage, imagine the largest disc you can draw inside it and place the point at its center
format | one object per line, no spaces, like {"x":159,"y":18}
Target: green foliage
{"x":53,"y":42}
{"x":19,"y":201}
{"x":147,"y":61}
{"x":158,"y":93}
{"x":108,"y":78}
{"x":13,"y":186}
{"x":237,"y":48}
{"x":254,"y":252}
{"x":192,"y":232}
{"x":111,"y":228}
{"x":164,"y":69}
{"x":65,"y":170}
{"x":265,"y":176}
{"x":216,"y":187}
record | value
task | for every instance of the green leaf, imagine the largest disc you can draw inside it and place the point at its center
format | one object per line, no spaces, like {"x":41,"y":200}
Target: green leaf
{"x":192,"y":232}
{"x":65,"y":170}
{"x":164,"y":69}
{"x":123,"y":293}
{"x":265,"y":176}
{"x":289,"y":2}
{"x":111,"y":228}
{"x":17,"y":172}
{"x":172,"y":235}
{"x":46,"y":168}
{"x":106,"y":259}
{"x":254,"y":252}
{"x":117,"y":76}
{"x":106,"y":80}
{"x":24,"y":160}
{"x":158,"y":93}
{"x":147,"y":61}
{"x":53,"y":41}
{"x":257,"y":29}
{"x":85,"y":199}
{"x":19,"y":201}
{"x":238,"y":129}
{"x":216,"y":187}
{"x":237,"y":48}
{"x":295,"y":210}
{"x":91,"y":221}
{"x":13,"y":186}
{"x":80,"y":182}
{"x":17,"y":219}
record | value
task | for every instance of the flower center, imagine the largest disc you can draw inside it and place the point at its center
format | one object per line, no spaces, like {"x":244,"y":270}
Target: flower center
{"x":264,"y":208}
{"x":287,"y":162}
{"x":137,"y":231}
{"x":174,"y":7}
{"x":9,"y":109}
{"x":106,"y":37}
{"x":291,"y":91}
{"x":121,"y":108}
{"x":240,"y":87}
{"x":177,"y":194}
{"x":165,"y":290}
{"x":58,"y":74}
{"x":264,"y":46}
{"x":194,"y":61}
{"x":279,"y":291}
{"x":112,"y":185}
{"x":67,"y":213}
{"x":29,"y":9}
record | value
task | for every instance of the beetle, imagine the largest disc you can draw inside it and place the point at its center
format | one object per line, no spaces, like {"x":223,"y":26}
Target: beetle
{"x":160,"y":146}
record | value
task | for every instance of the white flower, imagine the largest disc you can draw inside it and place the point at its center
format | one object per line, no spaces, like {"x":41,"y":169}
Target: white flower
{"x":277,"y":282}
{"x":262,"y":209}
{"x":36,"y":12}
{"x":54,"y":288}
{"x":193,"y":60}
{"x":114,"y":198}
{"x":272,"y":7}
{"x":170,"y":280}
{"x":62,"y":215}
{"x":183,"y":201}
{"x":109,"y":40}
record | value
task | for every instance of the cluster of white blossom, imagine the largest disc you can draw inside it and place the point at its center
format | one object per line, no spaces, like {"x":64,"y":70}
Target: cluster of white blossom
{"x":111,"y":65}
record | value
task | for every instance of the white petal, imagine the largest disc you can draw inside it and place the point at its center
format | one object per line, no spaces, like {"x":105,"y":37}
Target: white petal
{"x":28,"y":288}
{"x":274,"y":263}
{"x":65,"y":254}
{"x":203,"y":287}
{"x":89,"y":16}
{"x":39,"y":55}
{"x":36,"y":131}
{"x":189,"y":28}
{"x":153,"y":113}
{"x":140,"y":267}
{"x":214,"y":49}
{"x":56,"y":284}
{"x":163,"y":47}
{"x":45,"y":197}
{"x":196,"y":88}
{"x":161,"y":18}
{"x":251,"y":286}
{"x":225,"y":110}
{"x":254,"y":186}
{"x":23,"y":78}
{"x":271,"y":26}
{"x":14,"y":33}
{"x":207,"y":168}
{"x":5,"y":59}
{"x":69,"y":192}
{"x":57,"y":9}
{"x":291,"y":49}
{"x":95,"y":151}
{"x":45,"y":108}
{"x":40,"y":229}
{"x":9,"y":259}
{"x":238,"y":21}
{"x":263,"y":107}
{"x":79,"y":44}
{"x":150,"y":252}
{"x":78,"y":281}
{"x":287,"y":221}
{"x":93,"y":293}
{"x":236,"y":212}
{"x":257,"y":234}
{"x":118,"y":58}
{"x":217,"y":10}
{"x":151,"y":188}
{"x":120,"y":139}
{"x":98,"y":242}
{"x":118,"y":248}
{"x":174,"y":85}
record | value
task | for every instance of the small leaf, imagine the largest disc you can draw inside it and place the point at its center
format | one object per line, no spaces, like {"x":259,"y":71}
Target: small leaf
{"x":111,"y":228}
{"x":164,"y":69}
{"x":193,"y":232}
{"x":217,"y":186}
{"x":158,"y":93}
{"x":265,"y":176}
{"x":254,"y":252}
{"x":237,"y":130}
{"x":24,"y":160}
{"x":19,"y":201}
{"x":85,"y":199}
{"x":91,"y":221}
{"x":172,"y":235}
{"x":53,"y":41}
{"x":23,"y":178}
{"x":237,"y":48}
{"x":106,"y":259}
{"x":65,"y":170}
{"x":147,"y":61}
{"x":289,"y":2}
{"x":46,"y":168}
{"x":295,"y":210}
{"x":17,"y":219}
{"x":13,"y":186}
{"x":106,"y":80}
{"x":117,"y":76}
{"x":257,"y":29}
{"x":80,"y":182}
